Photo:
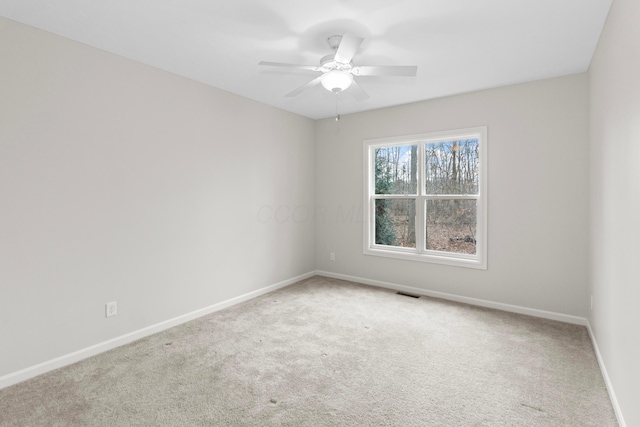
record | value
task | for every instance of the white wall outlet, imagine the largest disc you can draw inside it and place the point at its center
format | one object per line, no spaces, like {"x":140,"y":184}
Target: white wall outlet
{"x":332,"y":256}
{"x":111,"y":309}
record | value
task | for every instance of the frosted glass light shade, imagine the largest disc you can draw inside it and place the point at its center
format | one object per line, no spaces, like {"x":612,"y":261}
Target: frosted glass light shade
{"x":336,"y":80}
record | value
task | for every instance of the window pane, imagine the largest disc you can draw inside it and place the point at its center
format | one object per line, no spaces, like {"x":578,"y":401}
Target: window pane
{"x":395,"y":171}
{"x":396,"y":222}
{"x":451,"y":167}
{"x":451,"y":226}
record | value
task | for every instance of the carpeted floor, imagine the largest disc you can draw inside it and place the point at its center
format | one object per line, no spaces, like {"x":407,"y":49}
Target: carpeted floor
{"x":326,"y":352}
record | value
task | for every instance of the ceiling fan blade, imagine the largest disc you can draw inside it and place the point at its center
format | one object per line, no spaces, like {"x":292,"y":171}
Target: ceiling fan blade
{"x":304,"y":87}
{"x":348,"y":47}
{"x":356,"y":91}
{"x":385,"y":70}
{"x":293,"y":66}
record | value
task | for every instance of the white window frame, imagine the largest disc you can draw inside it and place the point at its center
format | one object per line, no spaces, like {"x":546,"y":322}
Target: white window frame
{"x":479,"y":259}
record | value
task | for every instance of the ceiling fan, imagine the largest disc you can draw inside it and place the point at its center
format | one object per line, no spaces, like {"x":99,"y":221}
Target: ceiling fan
{"x":338,"y":72}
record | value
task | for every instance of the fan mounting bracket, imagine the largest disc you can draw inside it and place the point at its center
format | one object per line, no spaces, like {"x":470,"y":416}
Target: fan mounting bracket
{"x":334,"y":41}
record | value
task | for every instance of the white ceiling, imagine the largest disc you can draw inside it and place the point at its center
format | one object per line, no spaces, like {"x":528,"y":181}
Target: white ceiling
{"x":458,"y":45}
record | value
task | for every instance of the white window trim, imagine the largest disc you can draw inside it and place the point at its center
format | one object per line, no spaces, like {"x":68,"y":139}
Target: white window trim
{"x":479,"y":260}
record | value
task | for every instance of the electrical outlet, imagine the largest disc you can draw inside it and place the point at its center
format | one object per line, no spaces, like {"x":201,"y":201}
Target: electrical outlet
{"x":111,"y":309}
{"x":332,"y":256}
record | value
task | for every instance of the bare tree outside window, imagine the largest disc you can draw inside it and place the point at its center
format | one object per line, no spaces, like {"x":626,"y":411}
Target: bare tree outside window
{"x":395,"y":174}
{"x":451,"y":168}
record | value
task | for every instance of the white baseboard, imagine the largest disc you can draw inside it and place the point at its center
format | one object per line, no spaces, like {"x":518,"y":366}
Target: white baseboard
{"x":79,"y":355}
{"x":76,"y":356}
{"x":467,"y":300}
{"x":605,"y":376}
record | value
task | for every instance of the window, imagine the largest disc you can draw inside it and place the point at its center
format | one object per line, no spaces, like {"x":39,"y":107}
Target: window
{"x":425,"y":197}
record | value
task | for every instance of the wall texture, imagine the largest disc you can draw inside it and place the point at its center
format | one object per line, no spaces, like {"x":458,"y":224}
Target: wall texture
{"x":537,"y":194}
{"x":615,"y":202}
{"x":121,"y":182}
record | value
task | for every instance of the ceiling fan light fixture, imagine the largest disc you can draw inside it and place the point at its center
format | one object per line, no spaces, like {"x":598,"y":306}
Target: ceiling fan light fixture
{"x":336,"y":80}
{"x":338,"y":71}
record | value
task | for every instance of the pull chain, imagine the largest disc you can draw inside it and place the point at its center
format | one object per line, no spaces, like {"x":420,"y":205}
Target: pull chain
{"x":337,"y":114}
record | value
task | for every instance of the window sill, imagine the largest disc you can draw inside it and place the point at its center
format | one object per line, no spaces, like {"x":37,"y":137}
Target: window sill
{"x":434,"y":258}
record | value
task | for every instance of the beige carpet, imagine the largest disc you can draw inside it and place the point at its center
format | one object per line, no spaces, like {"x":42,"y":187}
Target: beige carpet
{"x":326,"y":352}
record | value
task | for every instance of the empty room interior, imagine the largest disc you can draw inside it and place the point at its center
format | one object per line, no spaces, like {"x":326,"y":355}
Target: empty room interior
{"x":154,"y":172}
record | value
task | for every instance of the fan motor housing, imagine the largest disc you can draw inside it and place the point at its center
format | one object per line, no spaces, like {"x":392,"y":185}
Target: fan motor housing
{"x":329,"y":63}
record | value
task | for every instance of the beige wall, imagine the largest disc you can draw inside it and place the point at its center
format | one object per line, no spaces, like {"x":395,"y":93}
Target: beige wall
{"x":120,"y":182}
{"x":615,"y":202}
{"x":537,"y":194}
